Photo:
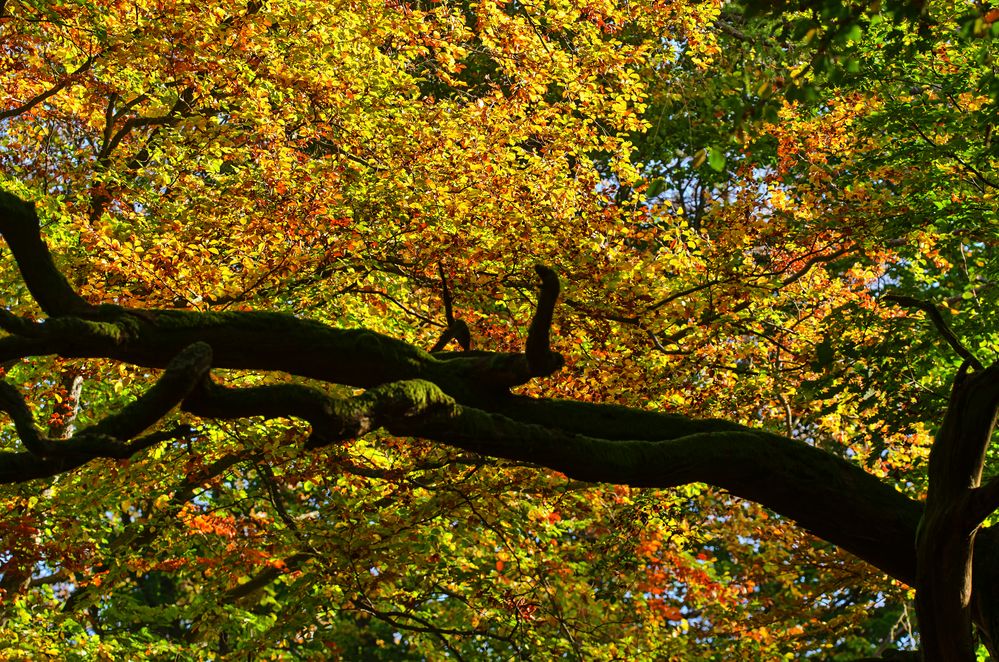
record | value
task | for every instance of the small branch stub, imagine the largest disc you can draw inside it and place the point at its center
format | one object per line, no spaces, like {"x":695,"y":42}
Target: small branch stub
{"x":541,"y":360}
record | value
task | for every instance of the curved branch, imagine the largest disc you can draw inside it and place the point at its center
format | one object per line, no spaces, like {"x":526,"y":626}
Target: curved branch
{"x":332,"y":419}
{"x":109,"y":438}
{"x":19,"y":226}
{"x":20,"y":467}
{"x":20,"y":326}
{"x":830,"y":497}
{"x":834,"y":499}
{"x":541,"y":360}
{"x":274,"y":341}
{"x":183,"y":373}
{"x":941,"y":325}
{"x":27,"y":430}
{"x":461,"y":400}
{"x":456,"y":329}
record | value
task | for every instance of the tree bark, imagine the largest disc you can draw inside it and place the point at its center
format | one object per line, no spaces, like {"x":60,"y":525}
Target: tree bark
{"x":951,"y":519}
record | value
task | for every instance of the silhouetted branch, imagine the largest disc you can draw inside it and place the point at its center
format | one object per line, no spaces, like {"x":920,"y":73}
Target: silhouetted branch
{"x":19,"y":226}
{"x":456,"y":329}
{"x":116,"y":436}
{"x":941,"y":325}
{"x":541,"y":360}
{"x":265,"y":577}
{"x":52,"y":91}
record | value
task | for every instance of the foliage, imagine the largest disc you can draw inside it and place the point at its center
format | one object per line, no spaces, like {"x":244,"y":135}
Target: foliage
{"x":727,"y":194}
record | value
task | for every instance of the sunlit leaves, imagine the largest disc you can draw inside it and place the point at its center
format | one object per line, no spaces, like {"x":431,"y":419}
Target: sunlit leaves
{"x":724,"y":196}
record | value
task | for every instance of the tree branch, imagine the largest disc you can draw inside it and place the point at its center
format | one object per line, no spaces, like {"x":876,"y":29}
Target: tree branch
{"x":456,"y":329}
{"x":463,"y":400}
{"x":828,"y":496}
{"x":52,"y":91}
{"x":985,"y":500}
{"x":541,"y":360}
{"x":19,"y":226}
{"x":941,"y":325}
{"x":264,"y":578}
{"x":110,"y":437}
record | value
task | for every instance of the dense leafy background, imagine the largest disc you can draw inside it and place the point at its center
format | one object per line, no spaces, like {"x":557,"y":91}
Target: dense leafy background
{"x":726,"y":192}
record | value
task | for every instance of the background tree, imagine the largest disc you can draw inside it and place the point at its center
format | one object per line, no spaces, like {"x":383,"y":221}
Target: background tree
{"x":726,"y":196}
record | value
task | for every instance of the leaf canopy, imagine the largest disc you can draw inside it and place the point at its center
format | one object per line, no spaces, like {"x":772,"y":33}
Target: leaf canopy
{"x":727,"y":192}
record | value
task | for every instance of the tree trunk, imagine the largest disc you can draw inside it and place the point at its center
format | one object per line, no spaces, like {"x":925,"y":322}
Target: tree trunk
{"x":955,"y":508}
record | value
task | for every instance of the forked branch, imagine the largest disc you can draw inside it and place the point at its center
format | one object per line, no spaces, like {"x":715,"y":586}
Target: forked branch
{"x":456,"y":329}
{"x":117,"y":436}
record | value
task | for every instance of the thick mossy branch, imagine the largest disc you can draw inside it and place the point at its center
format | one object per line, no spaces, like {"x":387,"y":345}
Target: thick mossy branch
{"x":188,"y":369}
{"x":829,"y":496}
{"x":607,"y":421}
{"x":13,"y":348}
{"x":460,"y":399}
{"x":113,"y":437}
{"x":270,"y":342}
{"x":832,"y":498}
{"x":333,"y":419}
{"x":19,"y":326}
{"x":20,"y":467}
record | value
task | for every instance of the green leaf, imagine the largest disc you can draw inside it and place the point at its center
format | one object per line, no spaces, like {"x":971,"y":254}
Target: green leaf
{"x":716,"y":159}
{"x":656,"y":187}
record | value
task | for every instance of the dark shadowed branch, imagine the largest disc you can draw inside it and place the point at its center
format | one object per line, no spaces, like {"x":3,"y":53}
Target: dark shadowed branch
{"x":456,"y":329}
{"x":19,"y":226}
{"x":541,"y":360}
{"x":52,"y":91}
{"x":117,"y":436}
{"x":936,"y":317}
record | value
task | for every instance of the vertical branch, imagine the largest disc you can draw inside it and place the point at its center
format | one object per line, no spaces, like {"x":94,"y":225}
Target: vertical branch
{"x":540,"y":358}
{"x":951,"y":519}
